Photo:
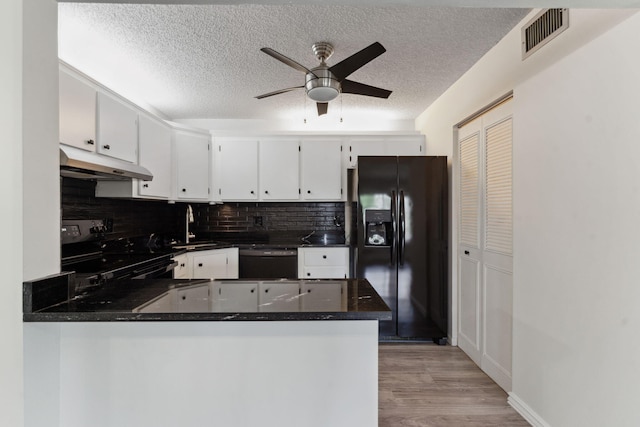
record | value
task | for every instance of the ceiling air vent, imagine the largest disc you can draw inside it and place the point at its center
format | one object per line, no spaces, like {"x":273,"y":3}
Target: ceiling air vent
{"x":543,"y":28}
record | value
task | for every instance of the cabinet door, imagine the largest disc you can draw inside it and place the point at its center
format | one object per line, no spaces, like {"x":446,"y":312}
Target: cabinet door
{"x":117,"y":129}
{"x":209,"y":264}
{"x":279,"y":169}
{"x":278,"y":296}
{"x":237,"y":169}
{"x":323,"y":263}
{"x":405,"y":146}
{"x":193,"y":299}
{"x":77,"y":112}
{"x":155,"y":155}
{"x":234,"y":297}
{"x":183,"y":270}
{"x":370,"y":146}
{"x":321,"y":169}
{"x":192,"y":165}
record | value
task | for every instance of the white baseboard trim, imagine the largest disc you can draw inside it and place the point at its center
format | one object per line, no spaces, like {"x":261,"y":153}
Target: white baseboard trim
{"x":527,"y":413}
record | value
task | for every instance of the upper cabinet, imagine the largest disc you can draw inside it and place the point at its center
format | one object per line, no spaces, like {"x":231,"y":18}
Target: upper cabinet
{"x":117,"y":130}
{"x":321,"y":169}
{"x":401,"y":145}
{"x":154,"y":146}
{"x":279,"y":169}
{"x":236,"y":169}
{"x":77,"y":112}
{"x":192,"y":160}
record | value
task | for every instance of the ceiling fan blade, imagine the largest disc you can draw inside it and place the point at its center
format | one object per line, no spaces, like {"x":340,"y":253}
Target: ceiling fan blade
{"x":278,"y":92}
{"x":349,"y":86}
{"x":285,"y":60}
{"x":347,"y":66}
{"x":322,"y":107}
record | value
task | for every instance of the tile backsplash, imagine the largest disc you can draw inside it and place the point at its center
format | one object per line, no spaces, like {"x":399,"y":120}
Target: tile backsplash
{"x":131,"y":218}
{"x":142,"y":217}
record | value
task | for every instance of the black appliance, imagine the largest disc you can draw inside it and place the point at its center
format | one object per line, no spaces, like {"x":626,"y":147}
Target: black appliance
{"x":97,"y":262}
{"x":402,"y":226}
{"x":267,"y":262}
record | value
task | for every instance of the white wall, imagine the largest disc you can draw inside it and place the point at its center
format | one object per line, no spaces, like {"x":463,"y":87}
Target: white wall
{"x":11,"y":213}
{"x":41,"y":192}
{"x":576,"y":258}
{"x":494,"y":75}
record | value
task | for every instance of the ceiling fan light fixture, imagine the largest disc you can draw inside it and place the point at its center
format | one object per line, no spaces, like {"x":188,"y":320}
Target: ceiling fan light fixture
{"x":321,"y":85}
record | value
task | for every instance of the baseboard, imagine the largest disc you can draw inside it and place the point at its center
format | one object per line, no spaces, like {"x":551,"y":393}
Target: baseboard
{"x":527,"y":413}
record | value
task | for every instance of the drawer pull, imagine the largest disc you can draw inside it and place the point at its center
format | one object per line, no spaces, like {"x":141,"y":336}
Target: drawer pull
{"x":324,"y":257}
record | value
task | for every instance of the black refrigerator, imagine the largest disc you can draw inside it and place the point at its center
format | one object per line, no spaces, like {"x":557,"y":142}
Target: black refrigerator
{"x":402,"y":229}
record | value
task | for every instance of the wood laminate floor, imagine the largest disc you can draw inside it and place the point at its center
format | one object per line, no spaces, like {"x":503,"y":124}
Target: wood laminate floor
{"x":430,"y":385}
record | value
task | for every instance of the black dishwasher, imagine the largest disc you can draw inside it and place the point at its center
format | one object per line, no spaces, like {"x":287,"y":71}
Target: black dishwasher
{"x":268,"y":262}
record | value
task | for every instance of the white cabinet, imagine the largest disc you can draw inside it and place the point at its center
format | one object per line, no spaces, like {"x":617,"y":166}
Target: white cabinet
{"x":77,"y":102}
{"x":183,"y":269}
{"x":117,"y":130}
{"x":323,"y":296}
{"x":279,"y":169}
{"x":278,"y":296}
{"x":234,"y":297}
{"x":210,"y":264}
{"x":323,"y":263}
{"x":154,"y":153}
{"x":400,"y":145}
{"x":237,"y":169}
{"x":192,"y":160}
{"x":321,"y":169}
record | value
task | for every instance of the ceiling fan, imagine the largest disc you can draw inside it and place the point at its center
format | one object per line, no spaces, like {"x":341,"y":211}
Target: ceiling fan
{"x":324,"y":83}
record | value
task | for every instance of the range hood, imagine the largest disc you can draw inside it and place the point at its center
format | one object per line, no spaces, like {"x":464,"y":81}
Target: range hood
{"x":78,"y":163}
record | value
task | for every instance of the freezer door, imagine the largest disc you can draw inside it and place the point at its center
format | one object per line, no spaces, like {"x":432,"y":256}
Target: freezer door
{"x":376,"y":257}
{"x":422,"y":231}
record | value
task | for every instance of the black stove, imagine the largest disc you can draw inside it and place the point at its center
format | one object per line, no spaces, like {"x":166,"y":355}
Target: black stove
{"x":97,"y":263}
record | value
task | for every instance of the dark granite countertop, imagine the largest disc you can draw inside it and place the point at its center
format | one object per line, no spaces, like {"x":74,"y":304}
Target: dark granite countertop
{"x":206,"y":300}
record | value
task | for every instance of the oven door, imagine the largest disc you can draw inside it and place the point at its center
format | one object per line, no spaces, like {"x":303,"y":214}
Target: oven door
{"x":265,"y":263}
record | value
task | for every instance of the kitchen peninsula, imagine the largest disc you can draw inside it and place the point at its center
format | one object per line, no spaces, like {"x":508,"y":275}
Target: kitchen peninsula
{"x":166,"y":352}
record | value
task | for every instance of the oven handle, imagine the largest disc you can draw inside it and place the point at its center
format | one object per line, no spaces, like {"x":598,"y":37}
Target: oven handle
{"x":153,"y":270}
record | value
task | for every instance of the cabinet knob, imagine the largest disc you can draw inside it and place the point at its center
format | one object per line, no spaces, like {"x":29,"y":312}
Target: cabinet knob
{"x":308,"y":191}
{"x":90,"y":141}
{"x":184,"y":297}
{"x":466,"y":252}
{"x":253,"y":290}
{"x":184,"y":190}
{"x":266,"y":192}
{"x":182,"y":265}
{"x":308,"y":274}
{"x":324,"y":257}
{"x":106,"y":147}
{"x":145,"y":185}
{"x":266,"y":291}
{"x":253,"y":192}
{"x":200,"y":265}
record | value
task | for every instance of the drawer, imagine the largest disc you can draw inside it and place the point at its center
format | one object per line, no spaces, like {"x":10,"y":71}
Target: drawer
{"x":324,"y":257}
{"x":336,"y":272}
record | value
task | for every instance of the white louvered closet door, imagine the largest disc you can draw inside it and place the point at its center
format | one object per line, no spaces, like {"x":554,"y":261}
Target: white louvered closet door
{"x":485,"y":272}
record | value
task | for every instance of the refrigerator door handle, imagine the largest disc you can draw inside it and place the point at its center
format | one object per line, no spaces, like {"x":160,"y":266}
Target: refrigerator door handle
{"x":402,"y":230}
{"x":394,"y":227}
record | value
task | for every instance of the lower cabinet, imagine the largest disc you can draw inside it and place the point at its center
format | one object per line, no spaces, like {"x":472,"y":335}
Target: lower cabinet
{"x":323,"y":263}
{"x":211,"y":264}
{"x":323,"y":296}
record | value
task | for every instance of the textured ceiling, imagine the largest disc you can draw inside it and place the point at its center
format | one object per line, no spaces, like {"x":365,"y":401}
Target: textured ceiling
{"x":204,"y":61}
